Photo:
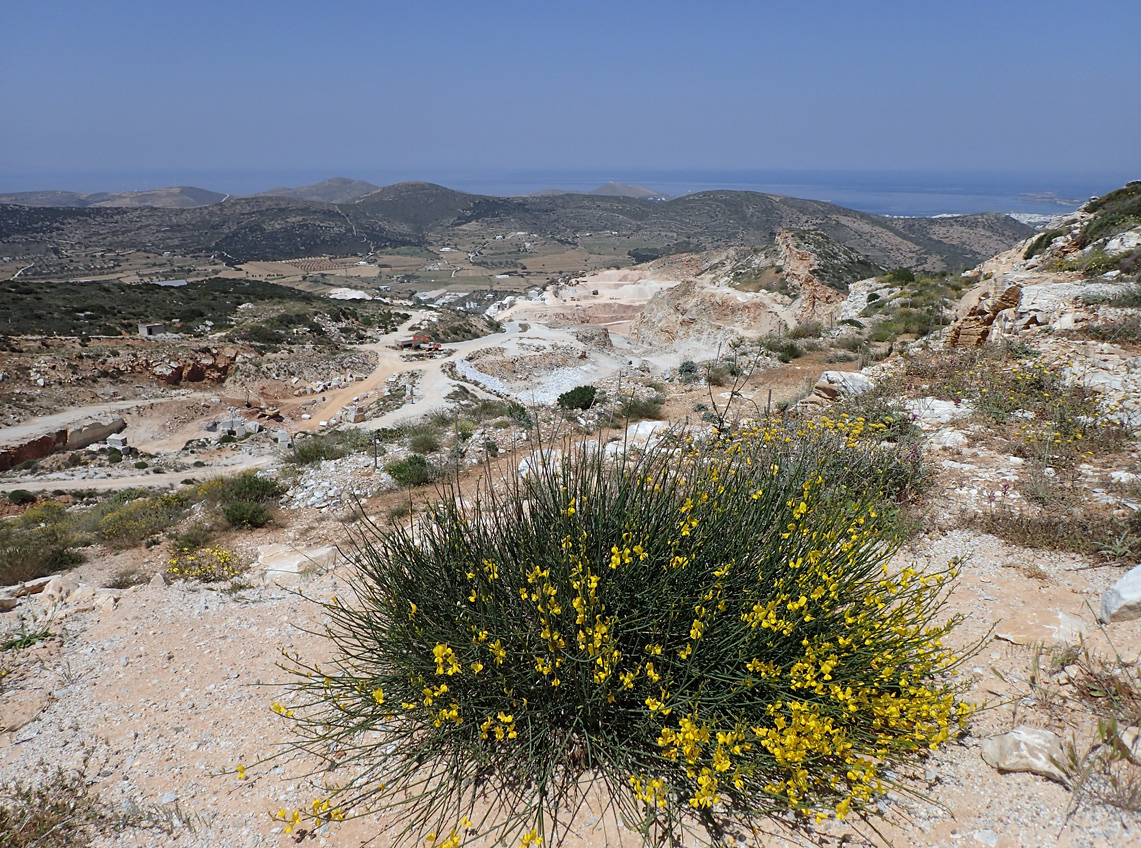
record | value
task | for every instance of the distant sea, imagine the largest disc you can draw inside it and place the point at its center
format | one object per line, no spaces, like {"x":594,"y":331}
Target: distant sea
{"x":910,"y":193}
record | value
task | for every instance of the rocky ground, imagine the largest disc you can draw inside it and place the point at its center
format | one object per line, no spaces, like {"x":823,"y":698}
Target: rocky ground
{"x":156,"y":693}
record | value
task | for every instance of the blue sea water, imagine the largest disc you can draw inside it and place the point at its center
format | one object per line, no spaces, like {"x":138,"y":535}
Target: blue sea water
{"x":911,"y":193}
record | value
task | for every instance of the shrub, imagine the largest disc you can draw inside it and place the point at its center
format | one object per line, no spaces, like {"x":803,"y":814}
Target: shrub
{"x":899,"y":275}
{"x":26,"y":465}
{"x":715,"y":637}
{"x":639,"y":409}
{"x":37,"y":543}
{"x":519,"y":414}
{"x":427,"y":441}
{"x":413,"y":471}
{"x":580,"y":397}
{"x":126,"y":525}
{"x":19,"y":497}
{"x":141,"y":464}
{"x":786,"y":349}
{"x":207,"y":565}
{"x":809,"y":330}
{"x":248,"y":487}
{"x":247,"y":515}
{"x":311,"y":449}
{"x":60,"y":812}
{"x":717,"y":374}
{"x":1040,"y":243}
{"x":687,"y":371}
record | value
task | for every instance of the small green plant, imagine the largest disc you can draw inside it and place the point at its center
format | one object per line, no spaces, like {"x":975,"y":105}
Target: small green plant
{"x":248,"y":487}
{"x":1040,"y":243}
{"x":640,"y":409}
{"x":424,"y":442}
{"x":59,"y":812}
{"x":25,"y":639}
{"x":786,"y":349}
{"x":245,"y":515}
{"x":311,"y":449}
{"x":20,"y":497}
{"x":415,"y":470}
{"x":491,"y":448}
{"x":520,"y":415}
{"x":687,"y":372}
{"x":580,"y":397}
{"x":26,"y":465}
{"x":899,"y":275}
{"x":126,"y":578}
{"x":715,"y":637}
{"x":114,"y":456}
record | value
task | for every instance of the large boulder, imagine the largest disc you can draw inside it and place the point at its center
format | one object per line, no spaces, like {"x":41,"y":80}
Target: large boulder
{"x":1122,"y":601}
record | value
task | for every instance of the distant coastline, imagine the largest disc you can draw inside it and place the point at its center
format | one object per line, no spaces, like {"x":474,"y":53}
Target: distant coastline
{"x":909,"y":194}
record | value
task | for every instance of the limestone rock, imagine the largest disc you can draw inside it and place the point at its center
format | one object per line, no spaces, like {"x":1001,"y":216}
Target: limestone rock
{"x":834,"y":384}
{"x":283,"y":564}
{"x":947,"y":439}
{"x":1026,"y":749}
{"x":58,"y":589}
{"x":1122,"y":602}
{"x":931,"y":413}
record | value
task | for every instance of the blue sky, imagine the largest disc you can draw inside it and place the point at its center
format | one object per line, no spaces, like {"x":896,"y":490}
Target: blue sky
{"x":251,"y":91}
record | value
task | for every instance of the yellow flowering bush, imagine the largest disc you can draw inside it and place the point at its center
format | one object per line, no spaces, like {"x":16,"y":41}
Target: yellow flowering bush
{"x":709,"y":630}
{"x":206,"y":565}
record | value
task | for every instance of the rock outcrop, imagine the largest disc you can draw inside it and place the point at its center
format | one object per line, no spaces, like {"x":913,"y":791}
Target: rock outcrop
{"x":1122,"y":602}
{"x":979,"y":309}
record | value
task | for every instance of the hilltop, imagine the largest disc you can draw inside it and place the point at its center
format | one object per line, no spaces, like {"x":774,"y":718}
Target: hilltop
{"x":336,"y":190}
{"x":536,"y":238}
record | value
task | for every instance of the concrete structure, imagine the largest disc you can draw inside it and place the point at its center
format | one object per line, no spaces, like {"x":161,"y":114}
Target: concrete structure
{"x":147,"y":330}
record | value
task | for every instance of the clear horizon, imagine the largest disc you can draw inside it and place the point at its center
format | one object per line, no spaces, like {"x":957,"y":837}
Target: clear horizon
{"x":452,"y":92}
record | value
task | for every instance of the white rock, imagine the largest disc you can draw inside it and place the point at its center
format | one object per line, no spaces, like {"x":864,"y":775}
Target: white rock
{"x":931,"y":412}
{"x":58,"y":589}
{"x":646,"y":432}
{"x":946,"y":440}
{"x":1026,"y":749}
{"x":833,"y":384}
{"x":283,"y":564}
{"x":1127,"y":242}
{"x":1122,"y":602}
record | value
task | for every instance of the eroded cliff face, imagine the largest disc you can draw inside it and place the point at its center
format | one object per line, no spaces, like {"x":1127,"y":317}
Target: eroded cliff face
{"x":751,"y":292}
{"x":699,"y":312}
{"x":169,"y":364}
